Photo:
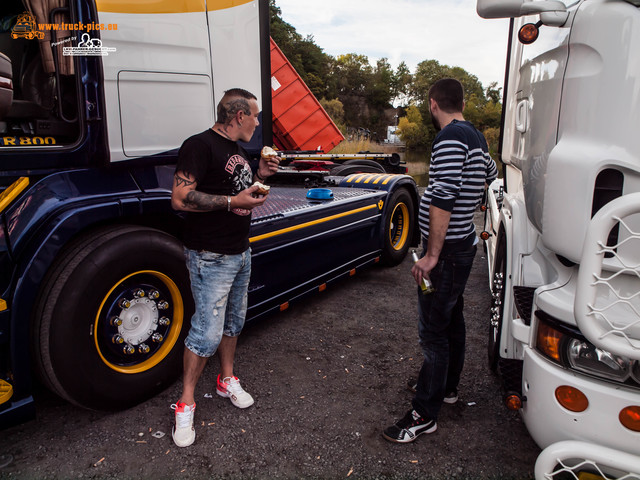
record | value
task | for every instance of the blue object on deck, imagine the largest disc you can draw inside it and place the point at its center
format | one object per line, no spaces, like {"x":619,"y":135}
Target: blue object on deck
{"x":320,"y":194}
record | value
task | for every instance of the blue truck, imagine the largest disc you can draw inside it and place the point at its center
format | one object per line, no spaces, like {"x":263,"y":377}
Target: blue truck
{"x":94,"y":293}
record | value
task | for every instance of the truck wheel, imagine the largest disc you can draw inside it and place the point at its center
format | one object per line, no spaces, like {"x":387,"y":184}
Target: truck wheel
{"x":398,"y":227}
{"x":111,"y":318}
{"x":497,"y":302}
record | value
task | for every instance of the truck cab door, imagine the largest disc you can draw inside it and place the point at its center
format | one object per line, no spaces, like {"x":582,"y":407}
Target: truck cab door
{"x":536,"y":74}
{"x":158,"y":80}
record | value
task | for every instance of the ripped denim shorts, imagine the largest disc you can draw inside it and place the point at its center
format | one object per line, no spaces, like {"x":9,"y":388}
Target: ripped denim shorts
{"x":219,"y":284}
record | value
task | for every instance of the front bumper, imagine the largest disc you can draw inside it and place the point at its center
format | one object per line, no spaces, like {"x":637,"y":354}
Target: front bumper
{"x":548,"y":422}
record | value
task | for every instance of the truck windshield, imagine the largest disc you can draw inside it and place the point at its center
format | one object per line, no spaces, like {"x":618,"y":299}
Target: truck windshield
{"x":38,"y":93}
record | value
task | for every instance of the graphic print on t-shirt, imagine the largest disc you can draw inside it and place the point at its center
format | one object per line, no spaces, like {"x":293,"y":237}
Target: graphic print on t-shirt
{"x":241,"y":178}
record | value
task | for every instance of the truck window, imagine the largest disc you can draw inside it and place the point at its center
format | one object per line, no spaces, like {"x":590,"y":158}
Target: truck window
{"x":39,"y":99}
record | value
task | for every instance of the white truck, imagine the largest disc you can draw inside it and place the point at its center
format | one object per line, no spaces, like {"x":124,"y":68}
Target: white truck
{"x":563,"y":233}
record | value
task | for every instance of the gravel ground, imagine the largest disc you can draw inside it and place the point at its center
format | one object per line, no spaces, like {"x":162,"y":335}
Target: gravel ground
{"x":327,"y":375}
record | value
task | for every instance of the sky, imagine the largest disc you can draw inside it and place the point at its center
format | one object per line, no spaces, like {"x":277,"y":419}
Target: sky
{"x":449,"y":31}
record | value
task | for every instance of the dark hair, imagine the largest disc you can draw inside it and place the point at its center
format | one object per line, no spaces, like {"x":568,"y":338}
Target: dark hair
{"x":448,"y":94}
{"x":233,"y":101}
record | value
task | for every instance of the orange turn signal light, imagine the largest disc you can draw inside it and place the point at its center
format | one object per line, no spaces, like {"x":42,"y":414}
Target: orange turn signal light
{"x":548,"y":341}
{"x":352,"y":272}
{"x":513,"y":401}
{"x":284,"y":306}
{"x":322,"y":288}
{"x":571,"y":398}
{"x":630,"y":418}
{"x":483,"y":208}
{"x":484,"y":235}
{"x":528,"y":33}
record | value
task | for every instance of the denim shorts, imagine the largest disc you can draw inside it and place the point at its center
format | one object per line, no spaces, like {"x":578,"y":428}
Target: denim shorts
{"x":219,"y":284}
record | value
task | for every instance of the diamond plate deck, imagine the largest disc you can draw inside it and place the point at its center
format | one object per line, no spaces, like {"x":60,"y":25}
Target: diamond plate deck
{"x":281,"y":201}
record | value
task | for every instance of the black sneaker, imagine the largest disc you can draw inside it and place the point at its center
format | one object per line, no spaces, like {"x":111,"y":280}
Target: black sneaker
{"x":409,"y":428}
{"x":450,"y":398}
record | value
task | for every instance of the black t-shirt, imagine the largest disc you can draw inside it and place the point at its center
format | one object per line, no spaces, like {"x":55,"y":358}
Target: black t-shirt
{"x":220,"y":167}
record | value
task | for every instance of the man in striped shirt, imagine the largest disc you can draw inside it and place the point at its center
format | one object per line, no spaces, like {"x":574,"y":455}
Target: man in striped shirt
{"x":460,"y":168}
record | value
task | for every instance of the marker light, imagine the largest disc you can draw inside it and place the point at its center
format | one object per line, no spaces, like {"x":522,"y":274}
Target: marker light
{"x":513,"y":401}
{"x":571,"y":398}
{"x":630,"y":418}
{"x":528,"y":33}
{"x":484,"y":235}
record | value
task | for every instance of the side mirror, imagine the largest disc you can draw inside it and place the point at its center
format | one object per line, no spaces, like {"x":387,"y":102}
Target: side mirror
{"x":517,"y":8}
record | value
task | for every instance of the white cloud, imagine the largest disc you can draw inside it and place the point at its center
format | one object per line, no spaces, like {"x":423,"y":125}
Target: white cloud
{"x":449,"y":31}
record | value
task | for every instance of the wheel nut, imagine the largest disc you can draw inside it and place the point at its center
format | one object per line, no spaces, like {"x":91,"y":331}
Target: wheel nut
{"x":164,"y":321}
{"x":124,"y":303}
{"x":138,"y":293}
{"x":115,"y":321}
{"x":143,"y":348}
{"x":128,"y":350}
{"x":117,"y":339}
{"x":156,"y":337}
{"x":153,"y":294}
{"x":163,"y":304}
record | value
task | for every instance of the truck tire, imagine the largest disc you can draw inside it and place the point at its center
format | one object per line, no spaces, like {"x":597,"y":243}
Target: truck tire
{"x":344,"y":170}
{"x":377,"y":167}
{"x":111,"y":317}
{"x":398,"y":227}
{"x":497,"y":302}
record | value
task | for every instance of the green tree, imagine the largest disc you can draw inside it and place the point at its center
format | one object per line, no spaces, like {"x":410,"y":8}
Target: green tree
{"x":412,"y":130}
{"x":335,"y":109}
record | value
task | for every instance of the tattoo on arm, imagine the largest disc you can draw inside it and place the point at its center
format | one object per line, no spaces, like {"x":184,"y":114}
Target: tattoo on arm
{"x":180,"y":181}
{"x":204,"y":202}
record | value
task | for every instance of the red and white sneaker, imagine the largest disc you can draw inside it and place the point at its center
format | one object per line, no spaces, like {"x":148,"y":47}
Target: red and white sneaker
{"x":230,"y":388}
{"x":183,"y":432}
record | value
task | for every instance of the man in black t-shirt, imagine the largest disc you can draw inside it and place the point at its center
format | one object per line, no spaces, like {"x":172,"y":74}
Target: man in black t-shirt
{"x":213,"y":184}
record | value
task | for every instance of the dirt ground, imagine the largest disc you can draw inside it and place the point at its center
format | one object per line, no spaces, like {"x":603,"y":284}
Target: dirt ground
{"x":328,"y":376}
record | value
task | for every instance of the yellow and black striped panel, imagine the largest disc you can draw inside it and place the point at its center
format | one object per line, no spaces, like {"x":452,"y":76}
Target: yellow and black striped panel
{"x":370,"y":178}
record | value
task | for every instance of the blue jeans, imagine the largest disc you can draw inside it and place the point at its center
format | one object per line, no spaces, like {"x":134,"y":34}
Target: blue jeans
{"x":219,"y":285}
{"x":442,"y":331}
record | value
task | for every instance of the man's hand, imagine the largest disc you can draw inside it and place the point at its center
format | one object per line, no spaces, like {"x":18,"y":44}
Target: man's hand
{"x":268,"y":166}
{"x":245,"y":199}
{"x":423,"y":267}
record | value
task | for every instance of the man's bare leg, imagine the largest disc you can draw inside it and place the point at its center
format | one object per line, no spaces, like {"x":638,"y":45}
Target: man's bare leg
{"x":226,"y":353}
{"x":193,"y":365}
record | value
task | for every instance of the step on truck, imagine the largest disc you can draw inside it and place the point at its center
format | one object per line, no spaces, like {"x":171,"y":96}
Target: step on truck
{"x":563,"y":233}
{"x":94,"y":293}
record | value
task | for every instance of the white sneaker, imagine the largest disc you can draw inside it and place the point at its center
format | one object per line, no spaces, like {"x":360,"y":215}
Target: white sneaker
{"x":183,"y":432}
{"x":230,"y":388}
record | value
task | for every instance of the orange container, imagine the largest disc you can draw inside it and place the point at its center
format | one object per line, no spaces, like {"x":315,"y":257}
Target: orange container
{"x":299,"y":121}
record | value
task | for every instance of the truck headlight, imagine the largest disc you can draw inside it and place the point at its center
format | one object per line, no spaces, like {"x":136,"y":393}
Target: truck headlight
{"x":587,"y":358}
{"x":566,"y":346}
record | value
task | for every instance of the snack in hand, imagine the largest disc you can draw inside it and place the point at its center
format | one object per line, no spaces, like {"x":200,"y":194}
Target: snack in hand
{"x":268,"y":153}
{"x":262,"y":188}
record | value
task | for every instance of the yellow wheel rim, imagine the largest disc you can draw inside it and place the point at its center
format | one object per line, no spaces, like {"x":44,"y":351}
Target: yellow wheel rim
{"x":399,"y":226}
{"x":168,"y":342}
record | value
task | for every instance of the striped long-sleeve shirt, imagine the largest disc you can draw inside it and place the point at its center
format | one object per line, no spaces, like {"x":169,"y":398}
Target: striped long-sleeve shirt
{"x":460,"y":167}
